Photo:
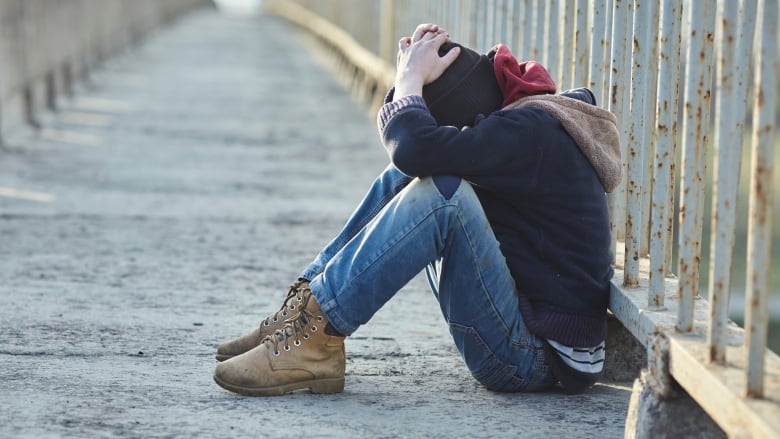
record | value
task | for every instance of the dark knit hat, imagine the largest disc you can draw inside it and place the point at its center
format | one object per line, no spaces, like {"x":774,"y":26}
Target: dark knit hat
{"x":467,"y":88}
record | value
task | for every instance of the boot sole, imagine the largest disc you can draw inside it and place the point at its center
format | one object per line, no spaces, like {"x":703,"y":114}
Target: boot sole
{"x":324,"y":385}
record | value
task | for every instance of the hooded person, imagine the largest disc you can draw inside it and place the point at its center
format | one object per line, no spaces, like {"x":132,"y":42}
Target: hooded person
{"x":497,"y":189}
{"x":541,"y":165}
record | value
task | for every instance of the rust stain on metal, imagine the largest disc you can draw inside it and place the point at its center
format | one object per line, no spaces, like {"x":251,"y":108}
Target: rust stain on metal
{"x":755,"y":301}
{"x":763,"y":173}
{"x":717,"y":356}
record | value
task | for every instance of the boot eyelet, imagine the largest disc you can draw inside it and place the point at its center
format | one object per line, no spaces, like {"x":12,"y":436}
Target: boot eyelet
{"x":297,"y":342}
{"x":276,"y":353}
{"x":319,"y":319}
{"x":305,"y":336}
{"x":265,"y":323}
{"x":275,"y":319}
{"x":300,"y":299}
{"x":292,"y":306}
{"x":284,"y":314}
{"x":313,"y":328}
{"x":287,"y":348}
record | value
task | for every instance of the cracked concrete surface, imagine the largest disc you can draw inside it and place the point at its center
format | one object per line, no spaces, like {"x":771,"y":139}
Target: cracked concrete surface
{"x":191,"y":180}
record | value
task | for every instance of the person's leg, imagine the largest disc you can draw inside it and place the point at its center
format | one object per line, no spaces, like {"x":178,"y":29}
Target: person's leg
{"x":389,"y":183}
{"x":489,"y":333}
{"x":423,"y":223}
{"x":478,"y":299}
{"x":441,"y":219}
{"x":386,"y":186}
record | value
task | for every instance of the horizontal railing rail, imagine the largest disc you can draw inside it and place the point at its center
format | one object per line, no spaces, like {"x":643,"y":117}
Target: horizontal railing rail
{"x":690,"y":83}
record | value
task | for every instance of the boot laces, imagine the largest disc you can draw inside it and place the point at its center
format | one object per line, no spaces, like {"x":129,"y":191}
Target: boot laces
{"x":294,"y":329}
{"x":293,"y":293}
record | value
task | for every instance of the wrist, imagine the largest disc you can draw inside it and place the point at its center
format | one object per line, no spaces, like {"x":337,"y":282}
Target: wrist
{"x":407,"y":87}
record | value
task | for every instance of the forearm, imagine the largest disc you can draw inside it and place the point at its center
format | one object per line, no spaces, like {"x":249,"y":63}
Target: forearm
{"x":407,"y":86}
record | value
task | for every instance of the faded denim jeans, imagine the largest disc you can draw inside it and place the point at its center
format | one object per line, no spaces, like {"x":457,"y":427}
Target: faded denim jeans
{"x":404,"y":225}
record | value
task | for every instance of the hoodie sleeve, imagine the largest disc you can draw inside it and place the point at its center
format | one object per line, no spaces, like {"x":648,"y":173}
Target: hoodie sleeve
{"x":501,"y":144}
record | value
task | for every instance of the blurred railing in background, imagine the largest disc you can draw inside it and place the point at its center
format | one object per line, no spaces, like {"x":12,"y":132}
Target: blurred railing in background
{"x":689,"y":82}
{"x":46,"y":45}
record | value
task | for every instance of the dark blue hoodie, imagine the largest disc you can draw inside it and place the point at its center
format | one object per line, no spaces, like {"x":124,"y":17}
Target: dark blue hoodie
{"x":540,"y":168}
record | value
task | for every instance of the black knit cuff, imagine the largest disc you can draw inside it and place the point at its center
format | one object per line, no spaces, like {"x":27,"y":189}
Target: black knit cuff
{"x":390,"y":109}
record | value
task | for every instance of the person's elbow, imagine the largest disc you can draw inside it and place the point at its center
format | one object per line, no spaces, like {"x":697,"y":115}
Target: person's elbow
{"x":406,"y":160}
{"x":408,"y":139}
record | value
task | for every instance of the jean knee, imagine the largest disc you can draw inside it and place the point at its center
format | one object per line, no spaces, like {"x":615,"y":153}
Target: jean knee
{"x":446,"y":185}
{"x":394,"y":179}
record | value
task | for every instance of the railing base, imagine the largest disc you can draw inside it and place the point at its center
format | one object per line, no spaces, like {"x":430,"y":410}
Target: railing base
{"x":677,"y":416}
{"x":626,"y":357}
{"x":682,"y":358}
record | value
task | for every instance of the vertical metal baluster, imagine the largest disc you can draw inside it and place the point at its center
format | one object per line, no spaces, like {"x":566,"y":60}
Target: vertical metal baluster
{"x":582,"y":35}
{"x":567,"y":45}
{"x":552,"y":50}
{"x":597,"y":43}
{"x":760,"y":219}
{"x":696,"y":128}
{"x":666,"y":147}
{"x":733,"y":57}
{"x":619,"y":103}
{"x":643,"y":80}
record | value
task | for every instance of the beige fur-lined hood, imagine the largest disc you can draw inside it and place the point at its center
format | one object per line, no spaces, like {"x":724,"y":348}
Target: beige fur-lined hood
{"x":593,"y":129}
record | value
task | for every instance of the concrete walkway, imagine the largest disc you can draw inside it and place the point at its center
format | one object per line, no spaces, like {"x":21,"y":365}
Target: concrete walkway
{"x":167,"y":207}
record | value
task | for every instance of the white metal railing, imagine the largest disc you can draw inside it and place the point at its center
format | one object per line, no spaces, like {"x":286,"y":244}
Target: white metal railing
{"x":640,"y":57}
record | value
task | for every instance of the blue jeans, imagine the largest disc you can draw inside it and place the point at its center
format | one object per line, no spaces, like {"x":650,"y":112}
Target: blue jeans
{"x":405,"y":224}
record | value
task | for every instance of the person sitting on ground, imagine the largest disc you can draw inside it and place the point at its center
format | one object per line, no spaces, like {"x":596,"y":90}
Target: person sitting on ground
{"x":496,"y":187}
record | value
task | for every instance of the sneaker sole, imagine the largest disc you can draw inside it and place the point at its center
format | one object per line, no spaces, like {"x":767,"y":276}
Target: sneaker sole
{"x":324,"y":385}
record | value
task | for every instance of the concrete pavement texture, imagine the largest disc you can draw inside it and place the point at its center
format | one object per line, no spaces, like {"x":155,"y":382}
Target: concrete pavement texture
{"x":166,"y":207}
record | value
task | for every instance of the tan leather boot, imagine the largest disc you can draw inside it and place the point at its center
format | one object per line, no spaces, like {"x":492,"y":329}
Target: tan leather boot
{"x":267,"y":326}
{"x":298,"y":356}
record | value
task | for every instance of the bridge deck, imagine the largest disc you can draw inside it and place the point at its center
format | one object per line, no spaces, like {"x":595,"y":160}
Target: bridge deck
{"x":167,"y":207}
